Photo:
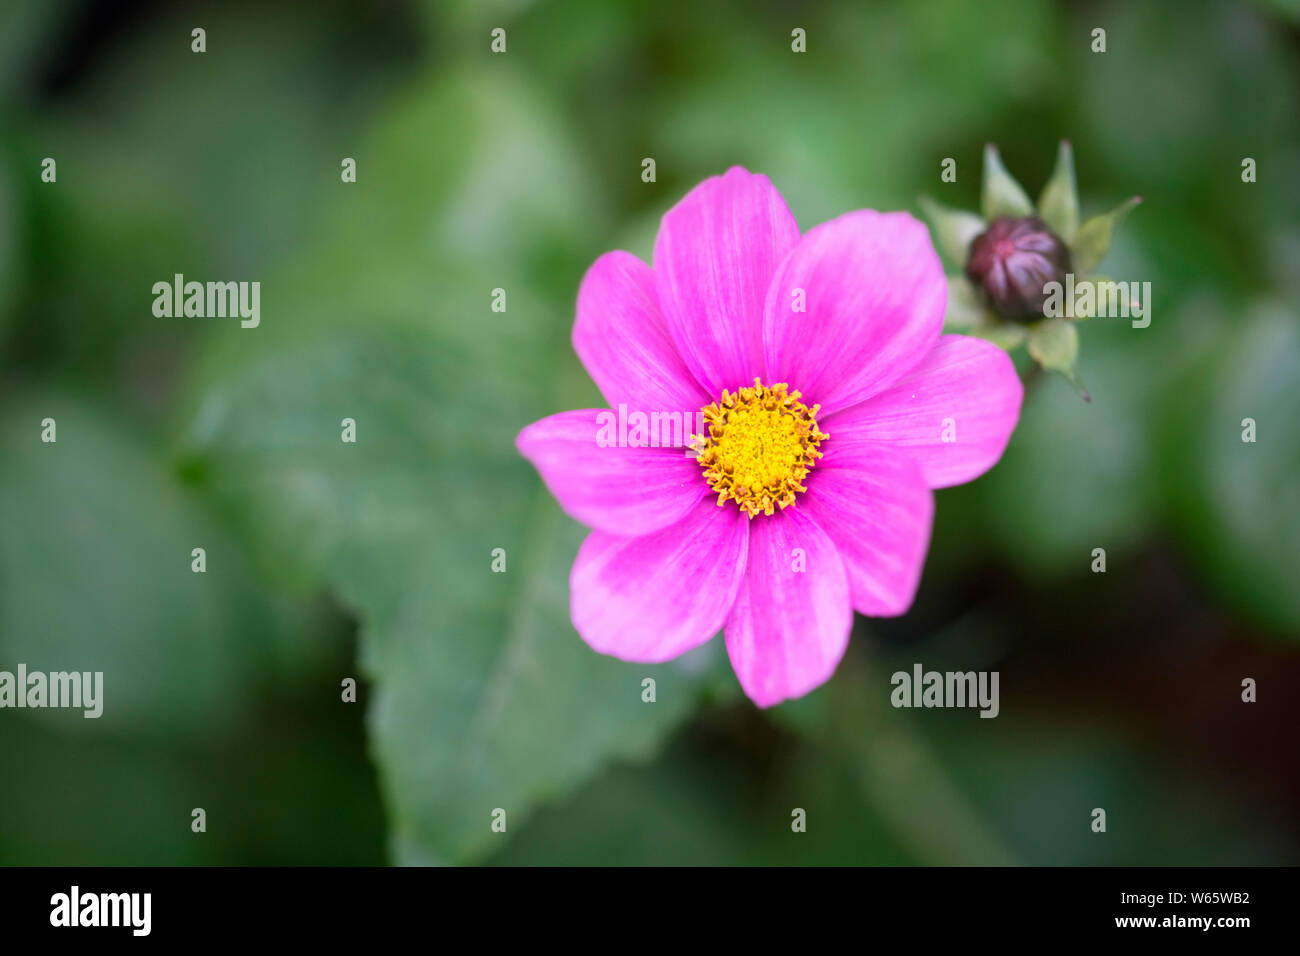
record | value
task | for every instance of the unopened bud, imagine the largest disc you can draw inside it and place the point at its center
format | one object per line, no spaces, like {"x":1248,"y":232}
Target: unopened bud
{"x":1012,"y":261}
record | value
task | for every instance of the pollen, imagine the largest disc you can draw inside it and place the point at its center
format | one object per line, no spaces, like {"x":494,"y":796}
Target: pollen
{"x":761,"y":444}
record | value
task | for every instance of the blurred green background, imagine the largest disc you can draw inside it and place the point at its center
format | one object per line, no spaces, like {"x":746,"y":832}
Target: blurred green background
{"x":479,"y":171}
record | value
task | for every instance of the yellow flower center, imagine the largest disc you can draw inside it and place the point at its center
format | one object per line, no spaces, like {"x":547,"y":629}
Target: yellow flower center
{"x":762,"y":442}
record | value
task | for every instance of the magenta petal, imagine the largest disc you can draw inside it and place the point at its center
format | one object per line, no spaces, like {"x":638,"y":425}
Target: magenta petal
{"x":789,"y":627}
{"x":624,"y":342}
{"x":874,"y":504}
{"x":953,"y":413}
{"x":654,"y":597}
{"x":715,"y":256}
{"x":623,"y":490}
{"x":874,"y":294}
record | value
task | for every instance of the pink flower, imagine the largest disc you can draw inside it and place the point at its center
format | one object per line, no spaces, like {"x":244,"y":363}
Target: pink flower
{"x":793,"y":514}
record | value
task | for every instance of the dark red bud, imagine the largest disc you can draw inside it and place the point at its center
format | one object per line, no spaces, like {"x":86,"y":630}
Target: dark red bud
{"x":1012,"y":260}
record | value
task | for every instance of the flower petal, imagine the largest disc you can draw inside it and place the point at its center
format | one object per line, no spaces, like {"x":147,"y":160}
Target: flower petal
{"x":624,"y":342}
{"x":874,"y":294}
{"x":953,"y":413}
{"x":715,"y":255}
{"x":872,"y":501}
{"x":654,"y":597}
{"x":618,"y":489}
{"x":791,"y":621}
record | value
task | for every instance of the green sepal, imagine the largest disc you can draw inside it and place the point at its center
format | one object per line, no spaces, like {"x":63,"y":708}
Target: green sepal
{"x":954,"y":229}
{"x":1058,"y":206}
{"x":1054,"y":344}
{"x":1005,"y":335}
{"x":1002,"y":195}
{"x":968,"y":314}
{"x":1093,"y":239}
{"x":965,"y":304}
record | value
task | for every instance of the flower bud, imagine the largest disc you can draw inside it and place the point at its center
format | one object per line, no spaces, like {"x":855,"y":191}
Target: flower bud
{"x":1012,"y":260}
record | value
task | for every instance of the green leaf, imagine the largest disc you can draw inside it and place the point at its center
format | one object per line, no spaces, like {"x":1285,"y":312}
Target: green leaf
{"x":485,"y":696}
{"x":689,"y":808}
{"x":1236,"y":501}
{"x":9,"y":243}
{"x":1093,"y":239}
{"x":954,"y":229}
{"x":95,"y":575}
{"x":1058,"y":206}
{"x":471,"y":718}
{"x":1002,"y":195}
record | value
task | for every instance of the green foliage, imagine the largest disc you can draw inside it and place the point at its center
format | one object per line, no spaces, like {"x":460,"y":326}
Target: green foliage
{"x":486,"y":696}
{"x":95,"y":575}
{"x":478,"y":172}
{"x":1236,"y":501}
